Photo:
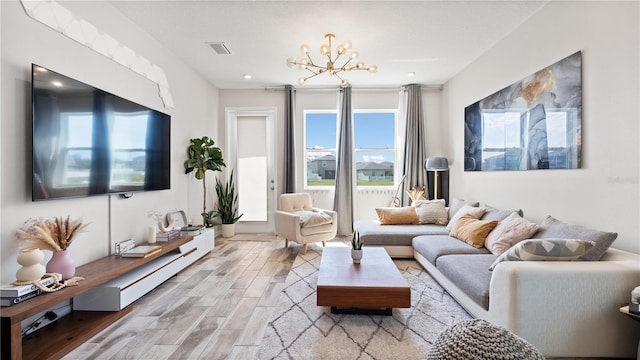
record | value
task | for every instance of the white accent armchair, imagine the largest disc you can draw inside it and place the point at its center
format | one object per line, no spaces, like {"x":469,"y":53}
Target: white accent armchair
{"x":297,"y":220}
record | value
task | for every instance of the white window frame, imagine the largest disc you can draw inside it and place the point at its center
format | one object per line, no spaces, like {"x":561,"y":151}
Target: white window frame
{"x":393,"y":150}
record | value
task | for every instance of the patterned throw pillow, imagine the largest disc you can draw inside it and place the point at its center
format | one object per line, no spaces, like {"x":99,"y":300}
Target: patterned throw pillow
{"x":545,"y":250}
{"x":509,"y":231}
{"x":397,"y":215}
{"x":552,"y":228}
{"x":431,"y":211}
{"x":476,"y":212}
{"x":472,"y":231}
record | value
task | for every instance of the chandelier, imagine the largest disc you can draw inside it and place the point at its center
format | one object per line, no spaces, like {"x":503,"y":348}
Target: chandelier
{"x":339,"y":61}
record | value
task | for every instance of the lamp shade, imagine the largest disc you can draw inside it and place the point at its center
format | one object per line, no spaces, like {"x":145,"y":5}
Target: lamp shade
{"x":436,"y":164}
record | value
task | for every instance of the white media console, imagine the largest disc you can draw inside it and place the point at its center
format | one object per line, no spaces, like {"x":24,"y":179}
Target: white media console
{"x":118,"y":293}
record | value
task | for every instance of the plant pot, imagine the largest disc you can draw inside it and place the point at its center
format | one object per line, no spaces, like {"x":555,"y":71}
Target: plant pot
{"x":228,"y":230}
{"x":62,"y":263}
{"x":356,"y":255}
{"x":31,"y":269}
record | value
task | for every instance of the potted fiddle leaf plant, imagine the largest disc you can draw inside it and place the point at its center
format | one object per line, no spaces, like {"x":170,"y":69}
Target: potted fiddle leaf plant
{"x":202,"y":156}
{"x":227,"y":208}
{"x":356,"y":248}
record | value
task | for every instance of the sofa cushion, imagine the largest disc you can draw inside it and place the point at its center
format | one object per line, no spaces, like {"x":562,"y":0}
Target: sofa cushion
{"x":552,"y":228}
{"x":373,"y":233}
{"x":457,"y":204}
{"x":431,"y":211}
{"x":472,"y":231}
{"x":476,"y":212}
{"x":492,"y":213}
{"x":508,"y":232}
{"x":469,"y":273}
{"x":545,"y":250}
{"x":431,"y":247}
{"x":397,"y":215}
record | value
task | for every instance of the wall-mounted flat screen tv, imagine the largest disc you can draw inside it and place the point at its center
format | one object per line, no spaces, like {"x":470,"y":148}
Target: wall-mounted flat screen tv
{"x":87,"y":141}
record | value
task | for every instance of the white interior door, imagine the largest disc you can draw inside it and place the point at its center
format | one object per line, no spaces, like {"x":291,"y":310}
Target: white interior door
{"x":250,"y":143}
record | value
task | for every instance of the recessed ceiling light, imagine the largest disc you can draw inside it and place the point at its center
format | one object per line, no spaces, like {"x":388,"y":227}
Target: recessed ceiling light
{"x":247,"y":76}
{"x":410,"y":74}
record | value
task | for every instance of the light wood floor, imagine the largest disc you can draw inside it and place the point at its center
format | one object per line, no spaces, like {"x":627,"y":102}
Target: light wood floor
{"x":216,"y":309}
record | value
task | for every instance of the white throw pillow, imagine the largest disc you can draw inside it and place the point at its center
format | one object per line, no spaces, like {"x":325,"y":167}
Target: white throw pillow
{"x":476,"y":212}
{"x":313,"y":218}
{"x":509,"y":231}
{"x":431,"y":211}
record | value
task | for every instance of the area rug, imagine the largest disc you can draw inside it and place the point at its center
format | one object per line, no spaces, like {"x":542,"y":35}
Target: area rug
{"x":298,"y":329}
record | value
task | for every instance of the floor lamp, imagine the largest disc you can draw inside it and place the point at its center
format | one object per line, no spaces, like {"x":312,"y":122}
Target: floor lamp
{"x":436,"y":164}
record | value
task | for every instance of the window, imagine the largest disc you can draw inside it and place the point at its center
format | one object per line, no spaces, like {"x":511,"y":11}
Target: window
{"x":375,"y":147}
{"x":375,"y":134}
{"x":320,"y":147}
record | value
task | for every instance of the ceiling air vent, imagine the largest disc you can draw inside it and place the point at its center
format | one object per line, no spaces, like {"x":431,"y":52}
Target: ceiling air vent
{"x":220,"y":48}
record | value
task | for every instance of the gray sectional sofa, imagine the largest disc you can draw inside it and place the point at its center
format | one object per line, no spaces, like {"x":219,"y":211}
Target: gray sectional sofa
{"x":564,"y":308}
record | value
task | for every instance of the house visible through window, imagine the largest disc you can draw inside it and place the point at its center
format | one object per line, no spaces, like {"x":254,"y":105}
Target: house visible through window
{"x":375,"y":147}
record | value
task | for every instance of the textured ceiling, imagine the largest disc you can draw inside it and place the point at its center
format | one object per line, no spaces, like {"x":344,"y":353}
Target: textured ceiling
{"x":434,"y":39}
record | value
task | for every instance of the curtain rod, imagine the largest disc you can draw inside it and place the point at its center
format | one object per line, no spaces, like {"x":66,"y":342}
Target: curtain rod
{"x":429,"y":87}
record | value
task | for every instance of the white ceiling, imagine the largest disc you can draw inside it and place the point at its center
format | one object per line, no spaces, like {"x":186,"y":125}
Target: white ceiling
{"x":434,"y":39}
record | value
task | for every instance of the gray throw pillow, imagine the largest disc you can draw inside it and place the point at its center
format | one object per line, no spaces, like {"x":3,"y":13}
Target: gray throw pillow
{"x":552,"y":228}
{"x":546,"y":250}
{"x":497,"y":214}
{"x":457,"y":204}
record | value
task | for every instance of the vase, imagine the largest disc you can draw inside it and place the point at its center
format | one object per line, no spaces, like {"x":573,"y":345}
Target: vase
{"x":62,"y":263}
{"x":31,"y":269}
{"x":228,"y":230}
{"x":356,"y":255}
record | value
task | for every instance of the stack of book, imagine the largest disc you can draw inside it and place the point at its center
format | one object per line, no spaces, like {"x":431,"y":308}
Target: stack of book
{"x":191,"y":230}
{"x":142,"y":251}
{"x":168,"y":236}
{"x":15,"y":294}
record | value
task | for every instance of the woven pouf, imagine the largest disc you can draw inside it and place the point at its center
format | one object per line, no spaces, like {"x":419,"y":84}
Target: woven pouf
{"x":481,"y":340}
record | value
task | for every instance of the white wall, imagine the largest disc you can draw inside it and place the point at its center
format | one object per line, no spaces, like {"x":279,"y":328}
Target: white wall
{"x":25,"y":41}
{"x":604,"y":193}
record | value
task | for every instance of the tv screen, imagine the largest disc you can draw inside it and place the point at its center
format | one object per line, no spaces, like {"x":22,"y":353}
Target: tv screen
{"x":87,"y":141}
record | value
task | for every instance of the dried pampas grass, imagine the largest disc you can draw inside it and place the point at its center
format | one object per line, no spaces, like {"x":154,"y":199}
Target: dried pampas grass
{"x":55,"y":234}
{"x":416,"y":194}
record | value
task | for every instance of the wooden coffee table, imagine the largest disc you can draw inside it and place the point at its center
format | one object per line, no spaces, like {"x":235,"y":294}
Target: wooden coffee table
{"x":374,"y":286}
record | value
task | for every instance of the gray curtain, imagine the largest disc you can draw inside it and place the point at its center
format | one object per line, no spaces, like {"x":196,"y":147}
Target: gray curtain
{"x":343,"y":198}
{"x":289,"y":140}
{"x":414,"y":145}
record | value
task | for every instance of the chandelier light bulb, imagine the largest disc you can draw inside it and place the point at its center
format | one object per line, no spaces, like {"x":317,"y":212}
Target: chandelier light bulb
{"x":347,"y":45}
{"x":372,"y":69}
{"x":340,"y":50}
{"x":344,"y":82}
{"x":354,"y":55}
{"x":302,"y":64}
{"x":324,"y":49}
{"x":291,"y":63}
{"x":304,"y":48}
{"x":360,"y":65}
{"x":301,"y":81}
